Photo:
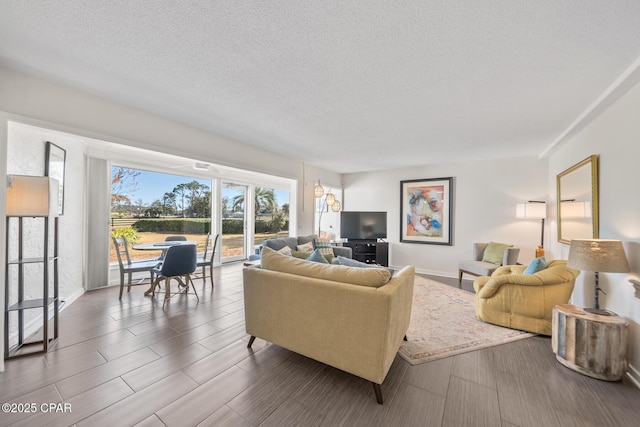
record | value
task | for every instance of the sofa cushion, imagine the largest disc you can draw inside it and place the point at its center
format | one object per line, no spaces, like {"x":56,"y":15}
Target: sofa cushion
{"x":317,"y":256}
{"x":305,"y":239}
{"x":494,"y":253}
{"x":281,"y":242}
{"x":538,"y":264}
{"x":372,"y":277}
{"x":479,"y":268}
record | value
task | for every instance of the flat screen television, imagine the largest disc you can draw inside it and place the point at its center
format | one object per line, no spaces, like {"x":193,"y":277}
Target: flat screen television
{"x":363,"y":225}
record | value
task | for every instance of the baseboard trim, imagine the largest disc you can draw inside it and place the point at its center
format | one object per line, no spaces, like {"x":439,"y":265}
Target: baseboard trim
{"x":634,"y":376}
{"x":436,"y":273}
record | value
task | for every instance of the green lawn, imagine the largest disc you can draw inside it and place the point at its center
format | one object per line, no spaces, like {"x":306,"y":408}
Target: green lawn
{"x":231,"y":243}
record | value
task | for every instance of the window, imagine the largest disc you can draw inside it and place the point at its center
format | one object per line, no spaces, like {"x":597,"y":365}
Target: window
{"x":148,"y":206}
{"x":271,"y":213}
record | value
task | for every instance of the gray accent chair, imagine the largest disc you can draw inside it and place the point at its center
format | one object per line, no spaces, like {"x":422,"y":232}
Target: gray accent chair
{"x":278,"y":243}
{"x":477,"y":267}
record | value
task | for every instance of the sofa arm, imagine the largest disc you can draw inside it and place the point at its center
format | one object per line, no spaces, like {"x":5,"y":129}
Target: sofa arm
{"x":492,"y":286}
{"x":510,"y":256}
{"x":343,"y":251}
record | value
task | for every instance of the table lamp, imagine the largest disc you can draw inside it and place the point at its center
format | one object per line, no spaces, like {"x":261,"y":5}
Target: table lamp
{"x":598,"y":255}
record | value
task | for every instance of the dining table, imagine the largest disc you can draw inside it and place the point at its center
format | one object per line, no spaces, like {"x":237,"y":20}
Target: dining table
{"x":162,"y":246}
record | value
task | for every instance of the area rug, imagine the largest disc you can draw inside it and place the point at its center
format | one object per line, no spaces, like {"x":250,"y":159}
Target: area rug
{"x":443,"y":324}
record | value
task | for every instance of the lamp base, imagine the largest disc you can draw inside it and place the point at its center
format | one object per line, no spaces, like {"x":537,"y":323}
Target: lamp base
{"x":539,"y":252}
{"x":598,"y":311}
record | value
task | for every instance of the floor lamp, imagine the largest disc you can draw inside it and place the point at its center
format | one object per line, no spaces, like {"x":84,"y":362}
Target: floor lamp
{"x":598,"y":255}
{"x":329,"y":201}
{"x":37,"y":197}
{"x":534,"y":209}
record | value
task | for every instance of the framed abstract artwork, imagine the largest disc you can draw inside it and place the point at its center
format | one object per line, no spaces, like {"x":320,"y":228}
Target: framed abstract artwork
{"x":54,"y":168}
{"x":426,"y":211}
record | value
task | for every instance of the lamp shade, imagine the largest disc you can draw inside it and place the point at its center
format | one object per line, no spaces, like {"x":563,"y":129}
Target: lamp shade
{"x":575,"y":209}
{"x":531,"y":210}
{"x":318,"y":190}
{"x":330,"y":199}
{"x":32,"y":196}
{"x":598,"y":255}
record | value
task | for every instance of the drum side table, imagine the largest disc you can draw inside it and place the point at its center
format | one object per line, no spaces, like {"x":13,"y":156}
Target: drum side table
{"x":591,"y":344}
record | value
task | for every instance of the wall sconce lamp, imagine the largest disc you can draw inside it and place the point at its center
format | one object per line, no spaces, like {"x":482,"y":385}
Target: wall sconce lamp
{"x":534,"y":209}
{"x":598,"y":255}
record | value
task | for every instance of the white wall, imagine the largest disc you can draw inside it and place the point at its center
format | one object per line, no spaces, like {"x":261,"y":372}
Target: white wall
{"x":484,"y":205}
{"x":615,"y":137}
{"x":26,"y":156}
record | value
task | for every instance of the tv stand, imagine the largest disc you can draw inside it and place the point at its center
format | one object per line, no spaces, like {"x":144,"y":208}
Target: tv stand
{"x":369,"y":251}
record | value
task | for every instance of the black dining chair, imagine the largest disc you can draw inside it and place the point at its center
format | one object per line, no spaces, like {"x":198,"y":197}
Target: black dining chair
{"x":179,"y":263}
{"x":128,"y":267}
{"x":207,"y":258}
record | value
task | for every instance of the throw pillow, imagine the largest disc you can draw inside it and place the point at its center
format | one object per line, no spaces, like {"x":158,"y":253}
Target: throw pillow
{"x":307,"y":247}
{"x":494,"y":252}
{"x":355,"y":263}
{"x":316,"y":256}
{"x":371,"y":277}
{"x":299,"y":254}
{"x":352,"y":262}
{"x":538,"y":264}
{"x":324,"y":246}
{"x":285,"y":250}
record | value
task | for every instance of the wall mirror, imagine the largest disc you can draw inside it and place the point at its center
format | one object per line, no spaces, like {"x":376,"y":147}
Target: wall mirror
{"x":578,"y":201}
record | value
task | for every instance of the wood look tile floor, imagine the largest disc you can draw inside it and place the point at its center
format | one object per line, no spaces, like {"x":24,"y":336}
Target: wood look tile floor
{"x":131,"y":363}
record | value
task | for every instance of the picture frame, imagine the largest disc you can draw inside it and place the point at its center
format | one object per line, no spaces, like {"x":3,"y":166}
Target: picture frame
{"x":55,"y":158}
{"x":426,"y":211}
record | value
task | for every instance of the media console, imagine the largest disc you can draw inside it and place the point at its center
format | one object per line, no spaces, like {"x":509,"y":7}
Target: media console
{"x":369,"y":251}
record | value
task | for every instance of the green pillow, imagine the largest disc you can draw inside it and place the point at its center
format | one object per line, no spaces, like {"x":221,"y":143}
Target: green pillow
{"x":299,"y":254}
{"x":494,"y":253}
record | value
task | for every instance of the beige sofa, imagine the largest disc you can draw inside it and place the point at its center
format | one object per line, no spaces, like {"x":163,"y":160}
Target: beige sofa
{"x":351,"y":318}
{"x":524,"y":301}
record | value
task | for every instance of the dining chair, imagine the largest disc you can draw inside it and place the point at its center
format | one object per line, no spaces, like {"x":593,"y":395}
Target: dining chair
{"x":128,"y":267}
{"x":171,"y":239}
{"x":207,"y":257}
{"x":179,"y":262}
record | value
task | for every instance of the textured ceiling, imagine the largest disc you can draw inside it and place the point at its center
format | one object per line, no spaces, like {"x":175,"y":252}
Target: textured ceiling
{"x":348,"y":86}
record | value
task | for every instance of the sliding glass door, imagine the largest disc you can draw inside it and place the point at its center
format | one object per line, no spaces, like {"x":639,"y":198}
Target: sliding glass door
{"x":234,"y":221}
